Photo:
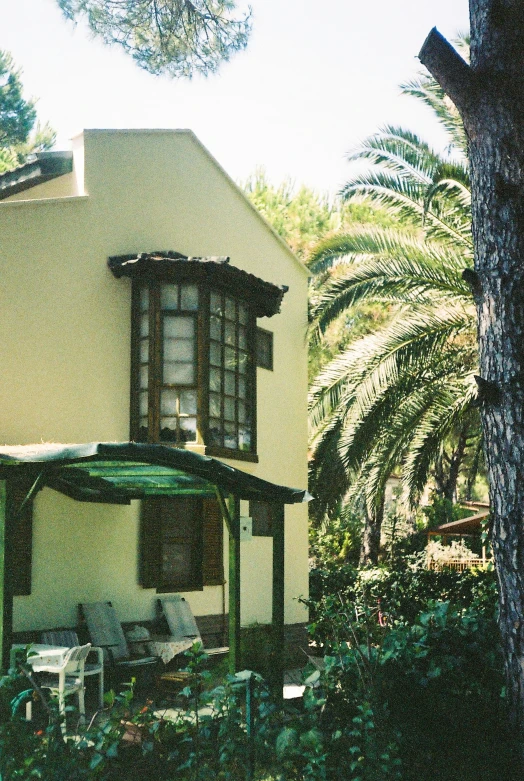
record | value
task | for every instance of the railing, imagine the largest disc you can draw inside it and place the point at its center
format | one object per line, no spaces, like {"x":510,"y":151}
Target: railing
{"x":457,"y":564}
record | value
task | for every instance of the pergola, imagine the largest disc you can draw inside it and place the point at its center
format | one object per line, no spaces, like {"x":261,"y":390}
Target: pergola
{"x":117,"y":473}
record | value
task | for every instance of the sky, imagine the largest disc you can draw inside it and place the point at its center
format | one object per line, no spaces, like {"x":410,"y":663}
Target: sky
{"x":315,"y":79}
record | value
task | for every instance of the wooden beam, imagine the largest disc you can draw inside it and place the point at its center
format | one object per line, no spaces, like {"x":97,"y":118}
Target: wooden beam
{"x":277,"y":677}
{"x":235,"y":655}
{"x":6,"y":584}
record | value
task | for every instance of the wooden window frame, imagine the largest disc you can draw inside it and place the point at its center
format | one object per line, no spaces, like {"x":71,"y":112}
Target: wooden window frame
{"x":262,"y":333}
{"x":203,"y":368}
{"x":158,"y":527}
{"x":261,"y":514}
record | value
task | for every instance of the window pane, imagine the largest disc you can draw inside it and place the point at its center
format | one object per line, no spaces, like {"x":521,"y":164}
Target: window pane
{"x":168,"y":428}
{"x":169,"y":296}
{"x":231,"y":309}
{"x":242,"y":387}
{"x":242,"y":363}
{"x":189,"y":297}
{"x":229,"y":408}
{"x":215,"y":303}
{"x":179,"y":373}
{"x":241,"y":412}
{"x":264,"y":349}
{"x":168,"y":402}
{"x":215,"y":407}
{"x":215,"y":432}
{"x":242,"y":338}
{"x":215,"y":376}
{"x":215,"y":354}
{"x":144,"y":325}
{"x":176,"y":562}
{"x":229,"y":383}
{"x":230,"y":333}
{"x":144,"y":376}
{"x":230,"y":358}
{"x":179,"y":350}
{"x":230,"y":439}
{"x":244,"y":439}
{"x":143,"y":405}
{"x":144,"y":350}
{"x":243,"y":316}
{"x":215,"y":328}
{"x":144,"y":298}
{"x":188,"y":429}
{"x":179,"y":327}
{"x":188,"y":403}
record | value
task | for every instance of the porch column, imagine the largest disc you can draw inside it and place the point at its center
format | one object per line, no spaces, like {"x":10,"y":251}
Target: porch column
{"x":6,"y":587}
{"x":277,"y":677}
{"x":235,"y":656}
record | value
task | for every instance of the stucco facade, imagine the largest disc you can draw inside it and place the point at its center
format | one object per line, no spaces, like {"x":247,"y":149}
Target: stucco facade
{"x":65,"y":355}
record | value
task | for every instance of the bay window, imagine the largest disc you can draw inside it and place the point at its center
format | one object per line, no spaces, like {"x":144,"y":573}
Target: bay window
{"x":194,"y":350}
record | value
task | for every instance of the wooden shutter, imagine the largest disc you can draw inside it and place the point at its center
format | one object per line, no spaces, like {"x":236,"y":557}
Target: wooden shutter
{"x":150,"y":542}
{"x":22,"y":537}
{"x":213,"y":564}
{"x":171,"y":543}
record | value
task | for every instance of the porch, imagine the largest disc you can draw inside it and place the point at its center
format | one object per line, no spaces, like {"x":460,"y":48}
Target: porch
{"x":118,"y":473}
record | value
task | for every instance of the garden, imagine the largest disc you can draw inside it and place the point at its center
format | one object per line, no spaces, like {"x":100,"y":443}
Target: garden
{"x":404,"y":681}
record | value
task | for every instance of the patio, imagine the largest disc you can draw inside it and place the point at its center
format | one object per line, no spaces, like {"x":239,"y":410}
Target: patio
{"x":117,"y":473}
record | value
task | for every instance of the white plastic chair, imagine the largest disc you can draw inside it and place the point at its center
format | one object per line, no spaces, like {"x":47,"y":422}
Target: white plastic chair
{"x":66,"y":679}
{"x":69,"y":639}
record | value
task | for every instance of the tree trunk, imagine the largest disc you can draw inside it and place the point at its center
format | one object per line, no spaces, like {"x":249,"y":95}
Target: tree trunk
{"x":490,"y":97}
{"x":370,"y":546}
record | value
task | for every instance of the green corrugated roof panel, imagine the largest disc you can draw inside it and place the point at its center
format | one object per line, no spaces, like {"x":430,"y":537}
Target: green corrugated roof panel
{"x":119,"y":472}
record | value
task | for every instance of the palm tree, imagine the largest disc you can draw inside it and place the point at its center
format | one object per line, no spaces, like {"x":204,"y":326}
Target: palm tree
{"x":402,"y":397}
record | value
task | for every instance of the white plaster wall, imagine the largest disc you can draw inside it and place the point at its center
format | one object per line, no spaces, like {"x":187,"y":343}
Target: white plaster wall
{"x":65,"y":325}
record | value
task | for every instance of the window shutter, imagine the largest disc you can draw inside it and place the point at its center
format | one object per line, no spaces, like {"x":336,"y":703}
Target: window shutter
{"x":22,"y":538}
{"x":213,"y":565}
{"x":150,"y":543}
{"x":262,"y":516}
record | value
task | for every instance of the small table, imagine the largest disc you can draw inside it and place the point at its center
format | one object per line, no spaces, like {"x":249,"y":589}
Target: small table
{"x":40,"y":656}
{"x":167,"y":647}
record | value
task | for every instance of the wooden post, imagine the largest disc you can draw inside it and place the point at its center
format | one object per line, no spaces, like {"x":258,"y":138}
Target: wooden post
{"x":6,"y":589}
{"x":277,"y":677}
{"x":235,"y":656}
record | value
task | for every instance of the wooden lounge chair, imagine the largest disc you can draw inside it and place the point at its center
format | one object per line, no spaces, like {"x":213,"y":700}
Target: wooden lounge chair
{"x":106,"y":632}
{"x":181,"y":622}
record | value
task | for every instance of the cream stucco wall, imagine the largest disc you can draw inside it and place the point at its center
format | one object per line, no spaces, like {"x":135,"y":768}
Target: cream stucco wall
{"x":65,"y":324}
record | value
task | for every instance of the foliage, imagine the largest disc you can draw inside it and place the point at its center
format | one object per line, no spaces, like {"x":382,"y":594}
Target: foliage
{"x":174,"y":37}
{"x":17,"y":116}
{"x":18,"y":135}
{"x":431,"y":678}
{"x":211,"y":734}
{"x":302,"y":216}
{"x":399,"y":591}
{"x":402,"y":396}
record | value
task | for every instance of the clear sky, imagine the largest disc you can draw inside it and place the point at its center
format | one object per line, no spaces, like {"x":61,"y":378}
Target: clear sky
{"x":315,"y":79}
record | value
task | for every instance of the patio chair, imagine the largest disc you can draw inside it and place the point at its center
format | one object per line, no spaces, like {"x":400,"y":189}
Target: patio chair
{"x":106,"y":632}
{"x":66,"y":679}
{"x":69,"y":639}
{"x":181,"y":622}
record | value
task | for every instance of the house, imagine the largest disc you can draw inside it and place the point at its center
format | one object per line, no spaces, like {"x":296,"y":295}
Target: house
{"x":145,"y":300}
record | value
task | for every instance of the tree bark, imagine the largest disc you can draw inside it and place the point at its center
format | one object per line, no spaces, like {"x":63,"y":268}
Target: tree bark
{"x":370,"y":546}
{"x":490,"y":97}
